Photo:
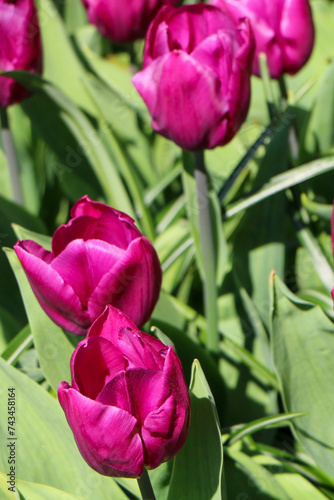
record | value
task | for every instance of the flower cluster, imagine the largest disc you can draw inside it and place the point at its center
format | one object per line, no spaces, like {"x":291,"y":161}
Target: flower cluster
{"x":128,"y":406}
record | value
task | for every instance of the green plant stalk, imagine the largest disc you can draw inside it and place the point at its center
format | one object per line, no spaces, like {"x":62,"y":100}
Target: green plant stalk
{"x":9,"y":149}
{"x":208,"y":252}
{"x":145,"y":486}
{"x":293,"y":137}
{"x":266,"y":80}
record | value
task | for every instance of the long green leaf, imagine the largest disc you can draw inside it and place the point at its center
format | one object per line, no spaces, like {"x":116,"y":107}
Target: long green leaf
{"x":22,"y":341}
{"x":262,"y":423}
{"x":91,"y":144}
{"x":197,"y":470}
{"x":246,"y":479}
{"x":303,"y":353}
{"x":283,"y":181}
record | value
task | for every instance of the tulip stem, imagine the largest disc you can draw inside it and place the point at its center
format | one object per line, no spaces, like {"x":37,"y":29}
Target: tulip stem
{"x":145,"y":486}
{"x":265,"y":76}
{"x":9,"y":149}
{"x":208,"y":251}
{"x":293,"y":136}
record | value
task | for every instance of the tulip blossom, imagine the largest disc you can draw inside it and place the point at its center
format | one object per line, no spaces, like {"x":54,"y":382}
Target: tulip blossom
{"x":196,"y":75}
{"x":122,"y":22}
{"x":128,"y":406}
{"x":20,"y":44}
{"x":98,"y":258}
{"x":283,"y":31}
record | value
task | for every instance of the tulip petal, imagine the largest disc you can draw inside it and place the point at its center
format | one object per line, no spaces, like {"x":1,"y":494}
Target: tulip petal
{"x":165,"y":427}
{"x":298,"y":36}
{"x":191,"y":25}
{"x":94,"y":220}
{"x":184,"y":99}
{"x":82,"y":265}
{"x":132,"y":285}
{"x":113,"y":325}
{"x":115,"y":393}
{"x":56,"y":297}
{"x":107,"y":437}
{"x":93,"y":364}
{"x":156,"y":44}
{"x":147,"y":390}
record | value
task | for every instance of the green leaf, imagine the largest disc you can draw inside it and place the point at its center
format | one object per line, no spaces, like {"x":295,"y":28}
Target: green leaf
{"x":5,"y":493}
{"x":75,"y":15}
{"x":321,"y":210}
{"x":41,"y":492}
{"x":22,"y":341}
{"x":263,"y":249}
{"x":61,"y":65}
{"x":102,"y":96}
{"x":15,"y":213}
{"x":91,"y":146}
{"x":246,"y":479}
{"x":53,"y":347}
{"x":297,"y":487}
{"x":303,"y":353}
{"x":197,"y":470}
{"x":261,"y":423}
{"x":283,"y":181}
{"x":320,"y":135}
{"x":25,"y":234}
{"x":44,"y":435}
{"x":227,"y":346}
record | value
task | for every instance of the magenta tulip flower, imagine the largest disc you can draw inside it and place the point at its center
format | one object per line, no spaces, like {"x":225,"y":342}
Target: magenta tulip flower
{"x":124,"y":22}
{"x":20,"y":46}
{"x":129,"y":405}
{"x":283,"y":31}
{"x":98,"y":258}
{"x":196,"y":75}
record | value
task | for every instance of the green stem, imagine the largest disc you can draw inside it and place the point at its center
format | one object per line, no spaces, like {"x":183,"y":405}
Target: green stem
{"x":293,"y":137}
{"x":145,"y":486}
{"x":284,"y":91}
{"x":208,"y":252}
{"x":9,"y":149}
{"x":266,"y":80}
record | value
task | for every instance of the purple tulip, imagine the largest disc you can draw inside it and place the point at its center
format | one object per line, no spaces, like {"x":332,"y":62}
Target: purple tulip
{"x":129,"y":405}
{"x":20,"y":44}
{"x":124,"y":22}
{"x":283,"y":31}
{"x":196,"y":76}
{"x":98,"y":258}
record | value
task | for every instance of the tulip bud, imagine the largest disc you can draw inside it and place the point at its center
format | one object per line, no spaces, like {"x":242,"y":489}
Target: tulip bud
{"x":98,"y":258}
{"x":20,"y":44}
{"x":129,"y":405}
{"x":196,"y":75}
{"x":283,"y":31}
{"x":124,"y":22}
